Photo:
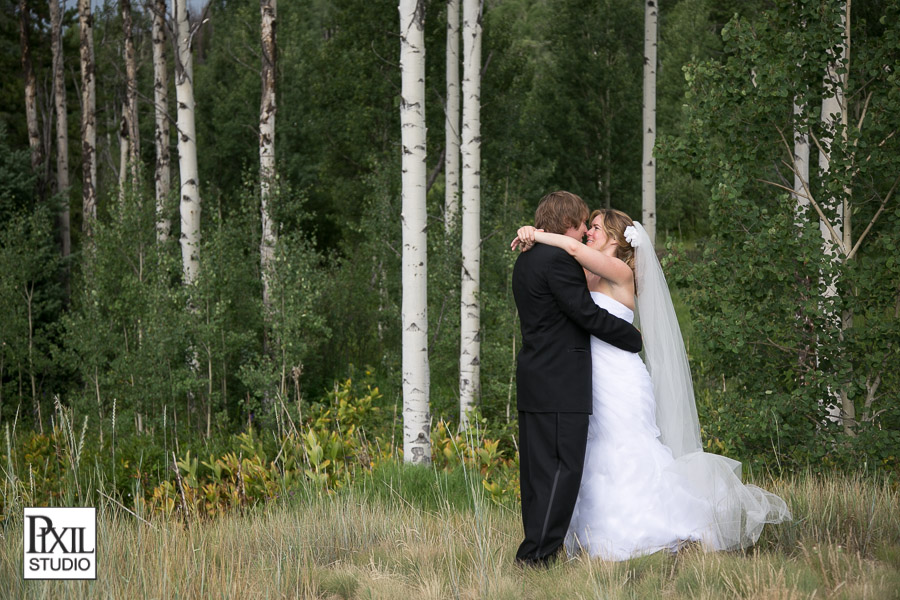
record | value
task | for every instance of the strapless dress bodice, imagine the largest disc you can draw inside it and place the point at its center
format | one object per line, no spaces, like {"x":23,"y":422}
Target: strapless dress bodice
{"x":614,"y":307}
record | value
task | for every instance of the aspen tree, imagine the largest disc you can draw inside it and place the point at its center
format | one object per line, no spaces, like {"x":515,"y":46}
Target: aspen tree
{"x":187,"y":146}
{"x":451,"y":122}
{"x":414,"y":308}
{"x":801,"y":162}
{"x":62,"y":127}
{"x":267,"y":142}
{"x":648,"y":162}
{"x":162,"y":172}
{"x":470,"y":304}
{"x":88,"y":118}
{"x":131,"y":104}
{"x":31,"y":115}
{"x":836,"y":239}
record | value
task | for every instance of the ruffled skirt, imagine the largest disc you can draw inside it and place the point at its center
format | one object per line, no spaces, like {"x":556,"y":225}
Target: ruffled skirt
{"x":635,"y":498}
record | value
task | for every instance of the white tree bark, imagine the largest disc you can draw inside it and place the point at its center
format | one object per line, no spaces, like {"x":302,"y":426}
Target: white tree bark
{"x":832,"y":112}
{"x":62,"y":127}
{"x":187,"y":146}
{"x":846,"y":208}
{"x":801,"y":166}
{"x":162,"y":175}
{"x":648,"y":162}
{"x":267,"y":142}
{"x":131,"y":103}
{"x":451,"y":123}
{"x":88,"y":119}
{"x":833,"y":239}
{"x":123,"y":152}
{"x":470,"y":309}
{"x":31,"y":115}
{"x":414,"y":309}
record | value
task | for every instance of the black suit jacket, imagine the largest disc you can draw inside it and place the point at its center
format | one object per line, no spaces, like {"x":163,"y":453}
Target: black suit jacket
{"x":558,"y":317}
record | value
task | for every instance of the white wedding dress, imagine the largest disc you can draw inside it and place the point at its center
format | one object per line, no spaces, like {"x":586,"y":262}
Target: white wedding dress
{"x":635,"y":497}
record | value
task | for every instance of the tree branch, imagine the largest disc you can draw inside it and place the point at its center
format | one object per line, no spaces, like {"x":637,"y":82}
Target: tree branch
{"x":769,"y":342}
{"x":204,"y":17}
{"x":793,"y":167}
{"x":882,"y":143}
{"x":872,"y":387}
{"x":394,"y":250}
{"x":784,"y":187}
{"x":438,"y":328}
{"x":871,"y":390}
{"x":783,"y":179}
{"x":487,"y":63}
{"x":393,"y":65}
{"x":875,"y":218}
{"x":432,"y":177}
{"x":816,"y":141}
{"x":864,"y":111}
{"x":236,"y":59}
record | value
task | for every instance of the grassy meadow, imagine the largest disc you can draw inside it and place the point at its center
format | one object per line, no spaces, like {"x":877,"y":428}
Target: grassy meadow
{"x":419,"y":532}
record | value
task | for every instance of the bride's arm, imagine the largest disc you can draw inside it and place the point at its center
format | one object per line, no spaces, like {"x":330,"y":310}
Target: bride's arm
{"x":608,"y":267}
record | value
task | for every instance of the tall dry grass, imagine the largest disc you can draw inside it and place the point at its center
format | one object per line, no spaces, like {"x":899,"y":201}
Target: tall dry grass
{"x":398,"y":534}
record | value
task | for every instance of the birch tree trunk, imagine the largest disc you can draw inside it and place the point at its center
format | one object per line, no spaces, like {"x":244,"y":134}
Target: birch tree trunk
{"x":834,"y":111}
{"x":648,"y":163}
{"x":88,"y":119}
{"x":801,"y":165}
{"x":131,"y":112}
{"x":267,"y":142}
{"x":834,"y":211}
{"x":414,"y":309}
{"x":470,"y":309}
{"x":187,"y":146}
{"x":123,"y":153}
{"x":31,"y":114}
{"x":62,"y":128}
{"x":162,"y":175}
{"x":451,"y":124}
{"x":848,"y":407}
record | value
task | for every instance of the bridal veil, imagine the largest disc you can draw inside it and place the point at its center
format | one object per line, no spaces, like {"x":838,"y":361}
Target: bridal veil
{"x":740,"y":511}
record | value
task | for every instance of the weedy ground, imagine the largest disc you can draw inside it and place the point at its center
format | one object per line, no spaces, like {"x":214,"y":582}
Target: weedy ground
{"x":423,"y":533}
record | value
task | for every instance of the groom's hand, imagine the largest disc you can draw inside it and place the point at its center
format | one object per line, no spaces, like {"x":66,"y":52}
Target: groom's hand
{"x":524,"y":238}
{"x":522,"y":246}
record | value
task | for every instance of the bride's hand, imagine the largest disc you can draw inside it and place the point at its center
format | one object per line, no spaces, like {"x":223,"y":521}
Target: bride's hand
{"x":524,"y":238}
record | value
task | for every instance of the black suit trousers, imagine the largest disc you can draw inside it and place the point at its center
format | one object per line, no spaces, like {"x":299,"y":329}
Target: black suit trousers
{"x":551,"y":460}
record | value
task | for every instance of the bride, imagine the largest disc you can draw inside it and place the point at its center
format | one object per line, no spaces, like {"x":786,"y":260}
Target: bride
{"x":647,"y":484}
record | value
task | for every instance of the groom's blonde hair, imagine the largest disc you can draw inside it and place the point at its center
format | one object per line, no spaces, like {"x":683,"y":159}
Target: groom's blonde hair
{"x":558,"y":211}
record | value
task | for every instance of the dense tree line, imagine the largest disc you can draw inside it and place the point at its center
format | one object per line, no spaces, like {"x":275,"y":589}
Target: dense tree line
{"x":111,"y":327}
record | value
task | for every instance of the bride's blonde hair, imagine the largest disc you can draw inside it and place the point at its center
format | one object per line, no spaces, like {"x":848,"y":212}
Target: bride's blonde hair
{"x":614,"y":224}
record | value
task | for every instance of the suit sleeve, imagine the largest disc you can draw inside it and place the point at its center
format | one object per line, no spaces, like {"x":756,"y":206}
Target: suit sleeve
{"x":567,"y":284}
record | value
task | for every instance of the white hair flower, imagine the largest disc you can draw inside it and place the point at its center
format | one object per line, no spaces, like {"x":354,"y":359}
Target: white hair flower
{"x":631,"y":235}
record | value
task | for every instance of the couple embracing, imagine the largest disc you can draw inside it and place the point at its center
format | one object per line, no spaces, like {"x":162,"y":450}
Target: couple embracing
{"x":610,"y":456}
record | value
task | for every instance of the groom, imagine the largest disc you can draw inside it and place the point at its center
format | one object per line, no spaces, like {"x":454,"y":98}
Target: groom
{"x":553,"y":375}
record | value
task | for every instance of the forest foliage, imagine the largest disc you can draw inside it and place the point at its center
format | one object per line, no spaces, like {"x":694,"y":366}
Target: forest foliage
{"x":149,"y":366}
